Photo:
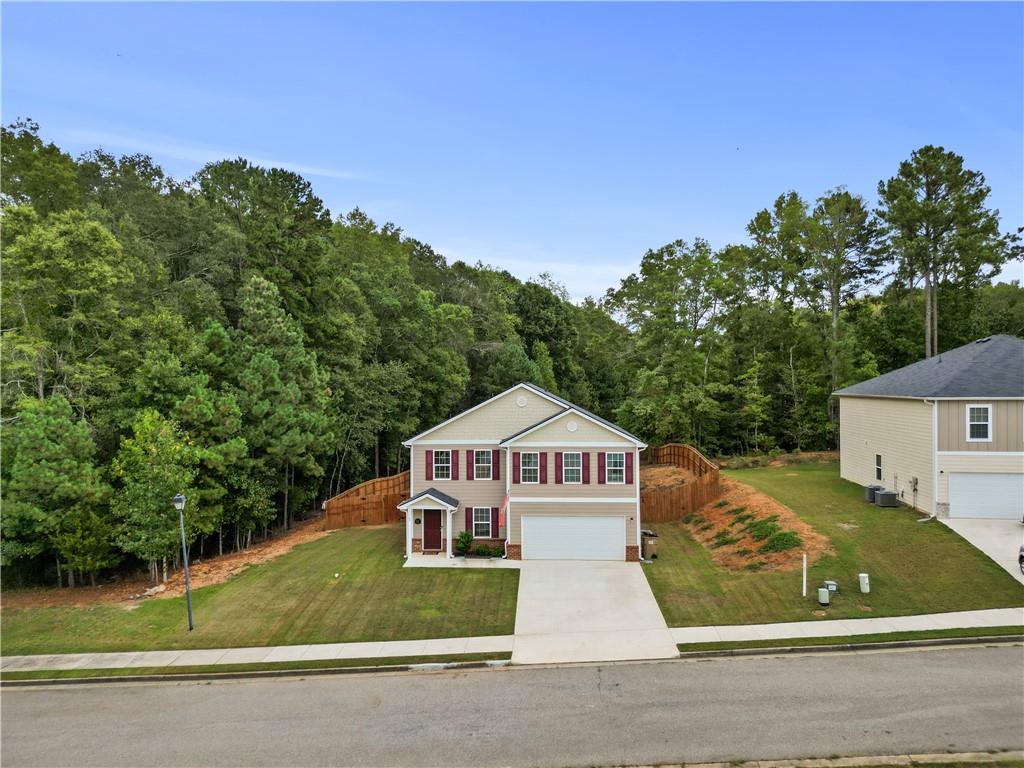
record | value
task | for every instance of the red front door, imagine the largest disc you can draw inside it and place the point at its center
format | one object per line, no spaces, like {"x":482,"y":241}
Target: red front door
{"x":431,"y":529}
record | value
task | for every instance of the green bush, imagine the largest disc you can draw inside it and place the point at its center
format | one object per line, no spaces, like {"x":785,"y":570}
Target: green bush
{"x":464,"y":542}
{"x":482,"y":550}
{"x":762,"y":529}
{"x":737,"y":510}
{"x":781,"y":541}
{"x":742,"y":518}
{"x":705,"y":527}
{"x":722,"y":539}
{"x":755,"y":566}
{"x":722,"y":503}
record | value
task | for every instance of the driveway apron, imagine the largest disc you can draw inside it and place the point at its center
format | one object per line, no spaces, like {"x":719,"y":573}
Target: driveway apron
{"x":587,"y":611}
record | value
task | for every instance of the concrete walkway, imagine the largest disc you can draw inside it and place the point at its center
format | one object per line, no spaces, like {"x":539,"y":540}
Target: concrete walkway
{"x":325,"y":651}
{"x":997,"y":617}
{"x":585,"y":610}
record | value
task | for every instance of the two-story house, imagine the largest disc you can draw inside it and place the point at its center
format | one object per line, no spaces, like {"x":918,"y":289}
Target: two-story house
{"x":946,"y":433}
{"x":530,"y":471}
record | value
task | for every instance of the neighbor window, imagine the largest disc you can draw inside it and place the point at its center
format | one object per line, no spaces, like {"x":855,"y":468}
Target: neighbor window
{"x":615,"y":468}
{"x":529,"y":471}
{"x":979,"y":423}
{"x":442,"y":465}
{"x":878,"y":466}
{"x":481,"y":522}
{"x":482,"y":465}
{"x":572,"y":467}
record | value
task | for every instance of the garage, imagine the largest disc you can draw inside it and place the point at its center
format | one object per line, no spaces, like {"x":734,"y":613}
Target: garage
{"x":574,"y":537}
{"x":986,"y":495}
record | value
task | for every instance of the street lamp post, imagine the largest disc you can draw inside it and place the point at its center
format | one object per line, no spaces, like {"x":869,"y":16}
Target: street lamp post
{"x":179,"y":504}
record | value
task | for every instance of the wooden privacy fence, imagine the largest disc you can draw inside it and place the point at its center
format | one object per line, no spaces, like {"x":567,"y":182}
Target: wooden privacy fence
{"x":374,"y":502}
{"x":660,"y":505}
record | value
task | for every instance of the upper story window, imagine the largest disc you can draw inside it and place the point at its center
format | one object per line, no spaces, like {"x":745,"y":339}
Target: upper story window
{"x":529,"y":471}
{"x":979,"y":423}
{"x":442,"y":465}
{"x":615,"y":468}
{"x":572,"y":467}
{"x":482,"y":465}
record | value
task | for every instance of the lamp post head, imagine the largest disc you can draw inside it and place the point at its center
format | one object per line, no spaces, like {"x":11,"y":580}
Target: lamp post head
{"x":179,"y":502}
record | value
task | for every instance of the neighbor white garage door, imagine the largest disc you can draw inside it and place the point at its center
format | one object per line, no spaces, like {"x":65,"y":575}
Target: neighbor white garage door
{"x":574,"y":538}
{"x":983,"y":494}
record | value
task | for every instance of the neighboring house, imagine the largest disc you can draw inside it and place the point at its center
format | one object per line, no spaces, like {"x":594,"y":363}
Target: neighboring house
{"x":531,"y":472}
{"x":946,"y":433}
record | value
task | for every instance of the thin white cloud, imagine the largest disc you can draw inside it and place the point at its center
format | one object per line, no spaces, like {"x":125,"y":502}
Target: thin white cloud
{"x":162,"y":147}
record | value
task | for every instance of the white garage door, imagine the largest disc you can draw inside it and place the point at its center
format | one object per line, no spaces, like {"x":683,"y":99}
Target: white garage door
{"x":984,"y":494}
{"x":574,"y":538}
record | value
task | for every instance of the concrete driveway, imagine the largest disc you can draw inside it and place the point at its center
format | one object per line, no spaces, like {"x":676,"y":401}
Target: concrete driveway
{"x":999,"y":539}
{"x":587,"y":611}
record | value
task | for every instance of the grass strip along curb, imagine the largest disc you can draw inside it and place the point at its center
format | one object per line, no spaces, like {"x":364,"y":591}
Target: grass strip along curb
{"x":993,"y":759}
{"x":925,"y":638}
{"x":270,"y":669}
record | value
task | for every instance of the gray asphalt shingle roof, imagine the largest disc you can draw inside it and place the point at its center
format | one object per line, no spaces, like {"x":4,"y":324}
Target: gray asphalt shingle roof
{"x":451,"y":501}
{"x":990,"y":367}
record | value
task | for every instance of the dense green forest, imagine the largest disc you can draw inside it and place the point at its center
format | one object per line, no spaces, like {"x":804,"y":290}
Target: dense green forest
{"x":227,"y":337}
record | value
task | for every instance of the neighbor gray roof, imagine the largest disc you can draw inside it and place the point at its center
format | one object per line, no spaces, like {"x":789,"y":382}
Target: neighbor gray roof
{"x":989,"y":367}
{"x":440,"y":496}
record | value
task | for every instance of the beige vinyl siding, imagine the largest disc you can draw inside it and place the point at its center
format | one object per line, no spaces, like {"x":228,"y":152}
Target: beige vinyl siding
{"x":498,"y":419}
{"x":898,"y":429}
{"x":593,"y":489}
{"x":1007,"y":426}
{"x":587,"y":431}
{"x":470,"y":493}
{"x":980,"y":463}
{"x":519,"y":509}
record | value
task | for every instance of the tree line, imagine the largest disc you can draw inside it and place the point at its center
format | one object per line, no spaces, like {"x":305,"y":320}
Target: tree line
{"x":226,"y":337}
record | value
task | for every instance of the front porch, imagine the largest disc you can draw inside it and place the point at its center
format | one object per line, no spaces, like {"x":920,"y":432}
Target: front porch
{"x":439,"y":560}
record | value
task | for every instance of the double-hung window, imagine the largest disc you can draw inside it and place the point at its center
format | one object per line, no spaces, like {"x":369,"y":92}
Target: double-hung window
{"x":615,"y":468}
{"x":482,"y":465}
{"x":442,"y":465}
{"x":572,"y":468}
{"x":979,"y":423}
{"x":878,"y":466}
{"x":529,"y":471}
{"x":482,"y":523}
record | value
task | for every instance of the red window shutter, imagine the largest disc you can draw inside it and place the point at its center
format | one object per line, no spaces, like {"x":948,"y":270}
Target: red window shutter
{"x":470,"y":465}
{"x":586,"y":468}
{"x":558,"y":467}
{"x":629,"y":468}
{"x":496,"y":464}
{"x":494,"y":522}
{"x":453,"y":462}
{"x":429,"y":468}
{"x":515,"y":467}
{"x":469,"y":519}
{"x":600,"y":468}
{"x":542,"y":457}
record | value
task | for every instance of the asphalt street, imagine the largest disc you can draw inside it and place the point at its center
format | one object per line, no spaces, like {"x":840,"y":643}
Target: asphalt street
{"x":881,"y":702}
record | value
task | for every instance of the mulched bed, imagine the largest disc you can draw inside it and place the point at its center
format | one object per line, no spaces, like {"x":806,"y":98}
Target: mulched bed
{"x":663,"y":476}
{"x":729,"y":527}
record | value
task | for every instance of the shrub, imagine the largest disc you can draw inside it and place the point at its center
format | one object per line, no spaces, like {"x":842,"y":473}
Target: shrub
{"x":687,"y":518}
{"x":722,"y":539}
{"x":781,"y":541}
{"x":705,"y":527}
{"x":755,"y":566}
{"x":737,"y":510}
{"x":464,"y":542}
{"x":482,"y":550}
{"x":722,"y":503}
{"x":762,"y":529}
{"x":743,"y":552}
{"x":742,"y":518}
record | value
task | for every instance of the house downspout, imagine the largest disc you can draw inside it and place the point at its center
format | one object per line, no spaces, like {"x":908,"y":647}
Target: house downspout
{"x":508,"y":495}
{"x":935,"y":459}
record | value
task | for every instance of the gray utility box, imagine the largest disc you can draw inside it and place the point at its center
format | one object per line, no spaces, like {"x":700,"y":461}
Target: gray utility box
{"x":824,"y":596}
{"x":869,"y":492}
{"x":886,"y":499}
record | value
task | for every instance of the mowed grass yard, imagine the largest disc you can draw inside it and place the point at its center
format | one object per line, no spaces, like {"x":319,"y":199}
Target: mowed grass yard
{"x":294,"y":599}
{"x":914,"y":567}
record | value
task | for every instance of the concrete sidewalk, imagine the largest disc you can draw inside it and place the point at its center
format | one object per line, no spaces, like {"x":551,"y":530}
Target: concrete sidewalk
{"x":997,"y":617}
{"x":326,"y":651}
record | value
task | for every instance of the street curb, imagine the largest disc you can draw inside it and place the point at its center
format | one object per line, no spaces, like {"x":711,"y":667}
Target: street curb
{"x":254,"y":674}
{"x":855,"y":762}
{"x":930,"y":642}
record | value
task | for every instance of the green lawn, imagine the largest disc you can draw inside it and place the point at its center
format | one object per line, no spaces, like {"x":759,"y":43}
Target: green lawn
{"x":914,"y":567}
{"x":294,"y":599}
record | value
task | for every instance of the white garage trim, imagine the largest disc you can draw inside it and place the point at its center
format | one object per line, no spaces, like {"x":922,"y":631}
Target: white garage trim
{"x":994,"y":495}
{"x":574,"y":537}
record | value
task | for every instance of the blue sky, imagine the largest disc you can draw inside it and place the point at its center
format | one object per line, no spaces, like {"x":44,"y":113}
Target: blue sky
{"x":568,"y":138}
